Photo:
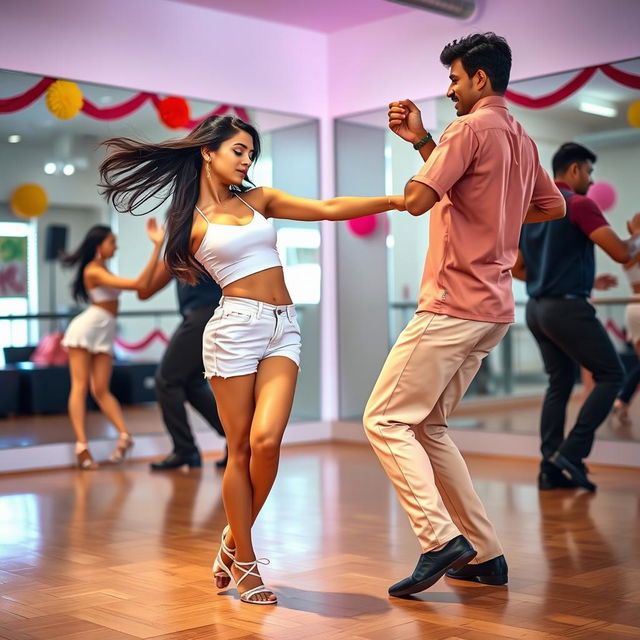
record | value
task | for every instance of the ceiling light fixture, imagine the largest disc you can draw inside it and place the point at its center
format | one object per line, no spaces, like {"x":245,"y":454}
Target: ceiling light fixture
{"x":50,"y":168}
{"x":14,"y":139}
{"x":68,"y":169}
{"x":461,"y":9}
{"x":598,"y":109}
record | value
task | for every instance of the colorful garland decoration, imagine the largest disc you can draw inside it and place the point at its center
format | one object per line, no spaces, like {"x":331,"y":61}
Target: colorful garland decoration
{"x":173,"y":111}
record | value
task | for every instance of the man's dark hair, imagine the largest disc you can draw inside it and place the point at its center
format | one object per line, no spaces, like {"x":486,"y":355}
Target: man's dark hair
{"x":485,"y":51}
{"x":569,"y":153}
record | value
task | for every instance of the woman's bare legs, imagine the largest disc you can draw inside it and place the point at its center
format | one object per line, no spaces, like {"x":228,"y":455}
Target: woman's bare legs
{"x":79,"y":369}
{"x":101,"y":367}
{"x":254,"y":411}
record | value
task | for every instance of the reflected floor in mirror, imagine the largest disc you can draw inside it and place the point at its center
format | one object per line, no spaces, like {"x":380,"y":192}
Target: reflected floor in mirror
{"x":124,"y":553}
{"x":510,"y":415}
{"x":521,"y":416}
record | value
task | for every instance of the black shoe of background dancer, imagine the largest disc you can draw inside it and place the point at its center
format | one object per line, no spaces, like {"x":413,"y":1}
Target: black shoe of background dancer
{"x":494,"y":571}
{"x":549,"y":480}
{"x":175,"y":460}
{"x":222,"y":463}
{"x":433,"y":565}
{"x":577,"y":470}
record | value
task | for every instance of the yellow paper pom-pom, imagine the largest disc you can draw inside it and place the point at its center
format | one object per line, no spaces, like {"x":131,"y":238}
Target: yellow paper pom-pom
{"x":64,"y":99}
{"x":29,"y":201}
{"x":633,"y":114}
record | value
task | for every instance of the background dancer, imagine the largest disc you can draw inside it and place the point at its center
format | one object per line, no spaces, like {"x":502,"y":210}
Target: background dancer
{"x":179,"y":376}
{"x":90,"y":335}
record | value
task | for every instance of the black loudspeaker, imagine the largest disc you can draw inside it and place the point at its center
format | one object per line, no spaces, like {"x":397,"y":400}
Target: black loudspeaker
{"x":55,"y":241}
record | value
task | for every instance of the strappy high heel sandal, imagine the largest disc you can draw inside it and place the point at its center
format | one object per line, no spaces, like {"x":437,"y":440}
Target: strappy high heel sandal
{"x":124,"y":446}
{"x":220,"y":569}
{"x":84,"y":459}
{"x":261,"y":588}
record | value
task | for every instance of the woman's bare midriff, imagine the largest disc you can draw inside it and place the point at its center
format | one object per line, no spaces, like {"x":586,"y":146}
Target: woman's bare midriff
{"x":111,"y":306}
{"x":264,"y":286}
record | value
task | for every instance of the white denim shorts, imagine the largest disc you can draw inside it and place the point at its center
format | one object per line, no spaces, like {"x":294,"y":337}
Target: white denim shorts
{"x":242,"y":332}
{"x":94,"y":330}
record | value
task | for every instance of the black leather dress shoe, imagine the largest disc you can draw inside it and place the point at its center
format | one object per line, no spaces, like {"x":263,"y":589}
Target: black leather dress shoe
{"x":433,"y":565}
{"x":494,"y":571}
{"x":175,"y":460}
{"x":548,"y":480}
{"x":576,"y":470}
{"x":222,"y":463}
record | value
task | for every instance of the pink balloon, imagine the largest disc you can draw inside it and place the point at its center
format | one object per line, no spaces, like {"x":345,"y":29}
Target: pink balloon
{"x":603,"y":194}
{"x":363,"y":226}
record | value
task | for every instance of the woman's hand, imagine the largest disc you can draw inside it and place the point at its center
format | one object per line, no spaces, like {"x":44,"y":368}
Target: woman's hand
{"x":397,"y":203}
{"x":155,"y":232}
{"x":633,"y":225}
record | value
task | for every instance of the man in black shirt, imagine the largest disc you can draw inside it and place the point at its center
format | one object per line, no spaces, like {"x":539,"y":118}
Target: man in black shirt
{"x":179,"y":376}
{"x":558,"y":263}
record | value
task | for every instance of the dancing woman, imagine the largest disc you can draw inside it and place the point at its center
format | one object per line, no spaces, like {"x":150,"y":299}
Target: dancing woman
{"x":251,"y":345}
{"x":90,"y":335}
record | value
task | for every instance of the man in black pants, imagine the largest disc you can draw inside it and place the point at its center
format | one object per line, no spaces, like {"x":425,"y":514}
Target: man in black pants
{"x":557,"y":261}
{"x":179,"y":375}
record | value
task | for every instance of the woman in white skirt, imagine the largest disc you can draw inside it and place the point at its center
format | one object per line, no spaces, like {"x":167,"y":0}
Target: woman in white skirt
{"x":251,"y":345}
{"x":90,"y":335}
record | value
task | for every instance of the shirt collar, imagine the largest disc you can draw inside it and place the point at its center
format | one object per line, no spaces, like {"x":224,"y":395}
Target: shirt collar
{"x":490,"y":101}
{"x":563,"y":185}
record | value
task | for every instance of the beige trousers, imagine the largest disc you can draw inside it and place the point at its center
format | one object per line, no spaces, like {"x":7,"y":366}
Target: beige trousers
{"x":426,"y":374}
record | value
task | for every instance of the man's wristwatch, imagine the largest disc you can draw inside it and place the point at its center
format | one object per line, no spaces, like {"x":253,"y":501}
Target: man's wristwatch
{"x":418,"y":145}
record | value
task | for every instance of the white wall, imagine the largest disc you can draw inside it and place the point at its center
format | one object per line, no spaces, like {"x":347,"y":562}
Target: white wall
{"x":362,"y":276}
{"x":168,"y":47}
{"x":398,"y":57}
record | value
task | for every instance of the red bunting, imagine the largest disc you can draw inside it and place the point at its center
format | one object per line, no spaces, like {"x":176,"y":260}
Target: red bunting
{"x":15,"y":103}
{"x":554,"y":97}
{"x":156,"y":334}
{"x":621,"y":77}
{"x":9,"y":105}
{"x":115,"y":112}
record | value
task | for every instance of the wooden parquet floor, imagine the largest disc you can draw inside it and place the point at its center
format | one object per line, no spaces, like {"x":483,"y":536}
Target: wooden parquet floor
{"x":123,"y":553}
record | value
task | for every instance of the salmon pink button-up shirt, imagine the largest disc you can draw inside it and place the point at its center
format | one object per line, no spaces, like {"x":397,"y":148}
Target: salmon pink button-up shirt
{"x":486,"y":172}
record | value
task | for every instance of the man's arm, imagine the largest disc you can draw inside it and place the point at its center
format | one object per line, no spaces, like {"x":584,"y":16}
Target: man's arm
{"x":419,"y":198}
{"x":405,"y":120}
{"x":519,"y":269}
{"x":613,"y":245}
{"x":547,"y":203}
{"x":535,"y":214}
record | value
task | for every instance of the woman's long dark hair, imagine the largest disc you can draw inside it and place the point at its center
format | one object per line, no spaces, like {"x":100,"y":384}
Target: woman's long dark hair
{"x":135,"y":172}
{"x":82,"y":256}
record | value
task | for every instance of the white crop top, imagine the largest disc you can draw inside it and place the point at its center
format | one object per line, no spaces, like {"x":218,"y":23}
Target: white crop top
{"x":633,"y":273}
{"x":229,"y":252}
{"x":103,"y":294}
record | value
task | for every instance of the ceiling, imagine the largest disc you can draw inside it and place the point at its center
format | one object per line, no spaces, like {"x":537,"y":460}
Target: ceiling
{"x":324,"y":16}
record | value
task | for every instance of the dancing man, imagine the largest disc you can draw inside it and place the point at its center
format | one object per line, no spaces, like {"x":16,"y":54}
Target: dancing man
{"x":482,"y":182}
{"x":179,"y":375}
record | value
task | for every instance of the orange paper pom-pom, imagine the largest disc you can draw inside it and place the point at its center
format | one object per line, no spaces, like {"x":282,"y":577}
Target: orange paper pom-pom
{"x":64,"y":99}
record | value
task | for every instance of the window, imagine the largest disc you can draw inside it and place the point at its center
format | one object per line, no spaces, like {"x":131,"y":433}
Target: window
{"x":18,"y":282}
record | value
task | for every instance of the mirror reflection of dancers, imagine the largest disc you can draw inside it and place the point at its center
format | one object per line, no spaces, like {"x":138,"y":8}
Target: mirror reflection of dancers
{"x":251,"y":345}
{"x":632,"y":324}
{"x":90,"y":335}
{"x":179,"y":374}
